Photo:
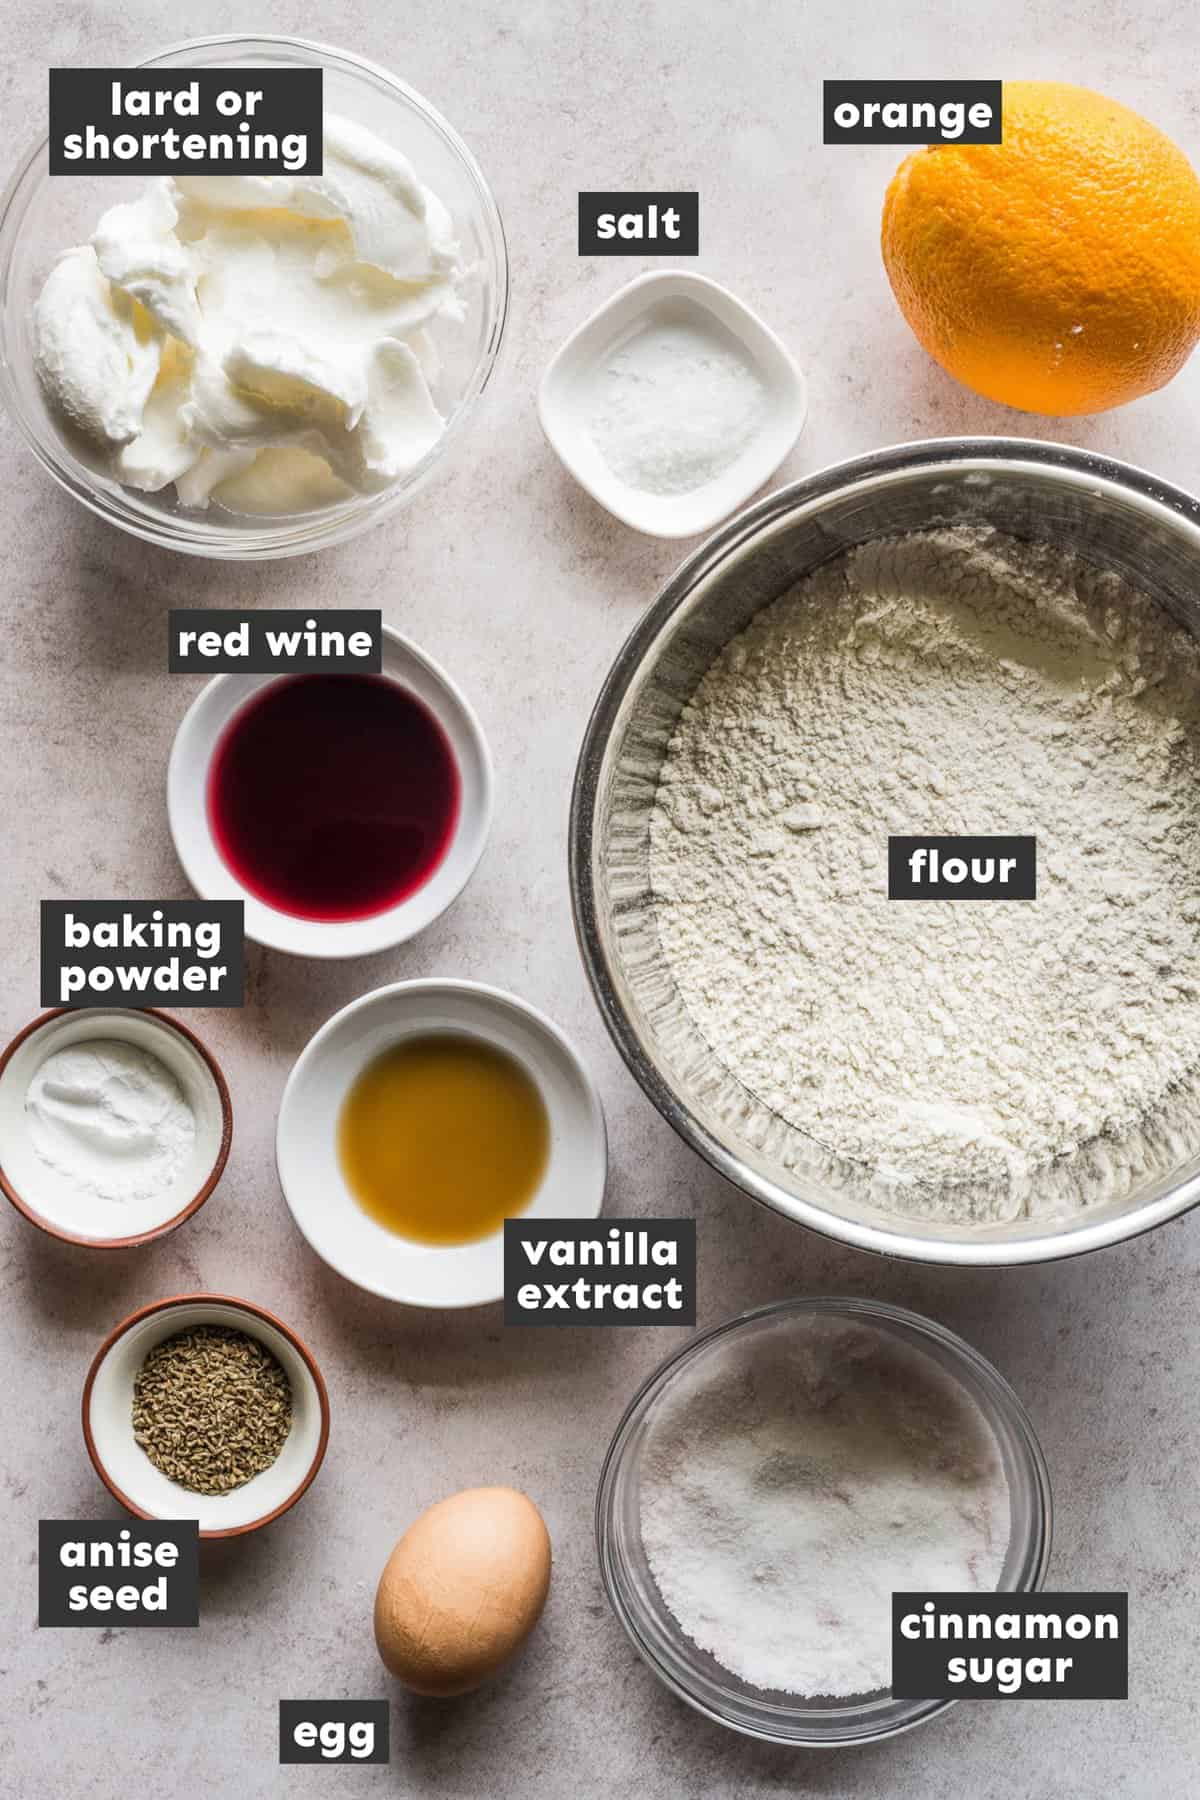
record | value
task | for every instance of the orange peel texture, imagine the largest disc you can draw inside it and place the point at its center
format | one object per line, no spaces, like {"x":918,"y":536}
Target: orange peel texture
{"x":1058,"y":271}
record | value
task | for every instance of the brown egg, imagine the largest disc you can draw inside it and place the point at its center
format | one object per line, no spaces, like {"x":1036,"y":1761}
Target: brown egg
{"x":462,"y":1590}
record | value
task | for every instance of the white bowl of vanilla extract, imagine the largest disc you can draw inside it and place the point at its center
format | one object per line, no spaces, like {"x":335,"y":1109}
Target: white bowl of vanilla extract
{"x":418,"y":1119}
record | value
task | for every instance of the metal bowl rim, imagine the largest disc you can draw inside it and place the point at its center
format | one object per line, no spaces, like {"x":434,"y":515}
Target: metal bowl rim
{"x":1059,"y":462}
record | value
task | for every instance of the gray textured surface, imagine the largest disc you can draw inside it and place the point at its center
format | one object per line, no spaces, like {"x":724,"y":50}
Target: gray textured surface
{"x":524,"y":589}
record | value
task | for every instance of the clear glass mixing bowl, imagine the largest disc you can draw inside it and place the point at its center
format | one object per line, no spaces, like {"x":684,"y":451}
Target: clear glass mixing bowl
{"x":41,"y":216}
{"x":691,"y":1673}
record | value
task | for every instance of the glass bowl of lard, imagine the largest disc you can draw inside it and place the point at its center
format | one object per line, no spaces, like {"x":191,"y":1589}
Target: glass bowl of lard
{"x":256,"y":366}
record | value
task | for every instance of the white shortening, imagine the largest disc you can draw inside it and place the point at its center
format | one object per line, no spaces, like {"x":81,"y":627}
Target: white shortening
{"x":263,"y":337}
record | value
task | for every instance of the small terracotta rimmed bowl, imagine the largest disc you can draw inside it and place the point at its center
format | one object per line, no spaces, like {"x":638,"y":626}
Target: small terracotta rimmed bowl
{"x":127,"y":1471}
{"x":46,"y":1198}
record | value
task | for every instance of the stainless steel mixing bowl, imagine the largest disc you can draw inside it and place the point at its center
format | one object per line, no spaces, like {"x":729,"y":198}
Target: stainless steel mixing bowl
{"x":1115,"y":516}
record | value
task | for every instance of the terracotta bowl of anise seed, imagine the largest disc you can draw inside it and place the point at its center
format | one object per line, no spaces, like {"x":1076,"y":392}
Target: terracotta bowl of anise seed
{"x":205,"y":1407}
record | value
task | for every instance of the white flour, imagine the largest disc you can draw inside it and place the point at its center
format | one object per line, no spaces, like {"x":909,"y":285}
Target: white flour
{"x":676,"y":404}
{"x":962,"y":683}
{"x":786,"y":1498}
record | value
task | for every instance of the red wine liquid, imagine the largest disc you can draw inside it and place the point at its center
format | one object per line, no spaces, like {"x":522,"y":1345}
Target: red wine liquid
{"x":333,"y":796}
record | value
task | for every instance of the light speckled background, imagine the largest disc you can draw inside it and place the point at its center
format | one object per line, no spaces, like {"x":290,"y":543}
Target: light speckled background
{"x":507,"y":573}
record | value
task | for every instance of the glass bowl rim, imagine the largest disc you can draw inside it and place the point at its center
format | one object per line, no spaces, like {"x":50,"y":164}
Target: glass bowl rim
{"x":1003,"y":1396}
{"x":323,"y":528}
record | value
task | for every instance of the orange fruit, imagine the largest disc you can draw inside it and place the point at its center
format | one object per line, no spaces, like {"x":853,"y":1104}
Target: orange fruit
{"x":1058,"y":271}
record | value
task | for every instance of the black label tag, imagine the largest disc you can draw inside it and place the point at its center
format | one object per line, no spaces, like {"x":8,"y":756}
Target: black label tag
{"x":211,"y":641}
{"x":599,"y":1271}
{"x":639,"y":224}
{"x":142,"y":952}
{"x":962,"y":868}
{"x":186,"y":121}
{"x":1010,"y":1646}
{"x":914,"y":112}
{"x":334,"y":1731}
{"x":100,"y":1572}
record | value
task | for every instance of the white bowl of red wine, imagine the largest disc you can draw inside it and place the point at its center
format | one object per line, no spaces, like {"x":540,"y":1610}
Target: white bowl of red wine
{"x":346,"y":811}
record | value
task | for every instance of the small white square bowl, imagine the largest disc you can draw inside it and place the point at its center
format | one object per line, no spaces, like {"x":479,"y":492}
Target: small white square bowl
{"x":563,"y":413}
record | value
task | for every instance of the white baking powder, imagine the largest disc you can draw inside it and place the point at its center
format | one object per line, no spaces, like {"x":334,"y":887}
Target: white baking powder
{"x":954,"y":682}
{"x":110,"y":1119}
{"x":674,"y":405}
{"x":785,"y":1498}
